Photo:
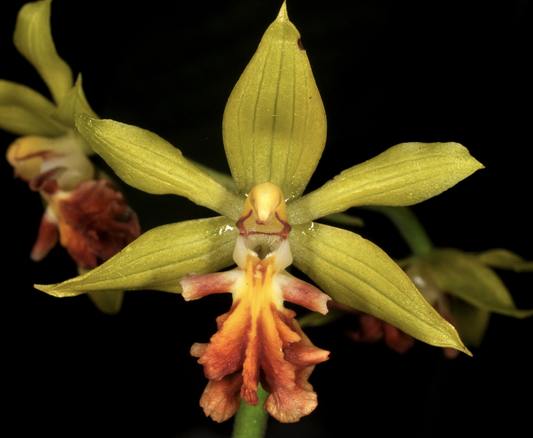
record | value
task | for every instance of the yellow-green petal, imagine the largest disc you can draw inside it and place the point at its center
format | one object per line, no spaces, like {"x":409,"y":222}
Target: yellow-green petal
{"x":274,"y":125}
{"x":33,"y":39}
{"x":466,"y":277}
{"x":158,"y":259}
{"x":358,"y":274}
{"x":405,"y":174}
{"x":24,"y":111}
{"x":147,"y":162}
{"x":504,"y":259}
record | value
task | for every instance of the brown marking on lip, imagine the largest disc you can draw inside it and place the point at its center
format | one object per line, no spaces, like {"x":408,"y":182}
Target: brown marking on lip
{"x":286,"y":226}
{"x":240,"y":222}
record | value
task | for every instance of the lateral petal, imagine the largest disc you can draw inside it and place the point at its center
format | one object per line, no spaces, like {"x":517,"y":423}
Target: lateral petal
{"x":358,"y":274}
{"x":158,"y":259}
{"x":147,"y":162}
{"x":403,"y":175}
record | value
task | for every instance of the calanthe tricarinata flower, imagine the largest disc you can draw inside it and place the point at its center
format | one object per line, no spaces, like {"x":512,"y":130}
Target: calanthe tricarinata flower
{"x":84,"y":211}
{"x":274,"y":132}
{"x":463,"y":287}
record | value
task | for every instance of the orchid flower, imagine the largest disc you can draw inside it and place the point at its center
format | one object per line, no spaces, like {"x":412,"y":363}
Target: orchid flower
{"x":274,"y":132}
{"x":88,"y":216}
{"x":463,"y":287}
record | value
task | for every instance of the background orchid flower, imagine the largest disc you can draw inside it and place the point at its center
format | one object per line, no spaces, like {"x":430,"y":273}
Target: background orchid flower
{"x":463,"y":287}
{"x":274,"y":131}
{"x":466,"y":289}
{"x":89,"y":217}
{"x":26,"y":112}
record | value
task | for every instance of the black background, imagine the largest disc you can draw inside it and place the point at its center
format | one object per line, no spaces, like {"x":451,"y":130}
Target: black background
{"x":388,"y":72}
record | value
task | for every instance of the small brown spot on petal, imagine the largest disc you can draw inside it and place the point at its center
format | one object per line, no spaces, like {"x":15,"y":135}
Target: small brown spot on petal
{"x":300,"y":44}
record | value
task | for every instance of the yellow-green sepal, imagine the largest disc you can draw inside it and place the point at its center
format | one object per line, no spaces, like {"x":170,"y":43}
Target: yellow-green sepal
{"x":274,"y":125}
{"x":24,"y":111}
{"x":504,"y":259}
{"x":464,"y":276}
{"x":147,"y":162}
{"x":403,"y":175}
{"x":33,"y":39}
{"x":358,"y":274}
{"x":158,"y":259}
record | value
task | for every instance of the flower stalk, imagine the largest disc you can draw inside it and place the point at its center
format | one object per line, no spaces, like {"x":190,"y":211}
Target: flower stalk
{"x":251,"y":421}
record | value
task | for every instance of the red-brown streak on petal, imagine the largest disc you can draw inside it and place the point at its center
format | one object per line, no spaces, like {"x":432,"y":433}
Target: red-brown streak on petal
{"x":299,"y":292}
{"x":240,"y":222}
{"x":221,"y":399}
{"x":197,"y":286}
{"x":225,"y":353}
{"x":47,"y":238}
{"x":286,"y":226}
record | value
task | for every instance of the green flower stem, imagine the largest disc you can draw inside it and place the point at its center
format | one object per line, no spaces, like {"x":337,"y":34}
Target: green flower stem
{"x":250,"y":421}
{"x":408,"y":226}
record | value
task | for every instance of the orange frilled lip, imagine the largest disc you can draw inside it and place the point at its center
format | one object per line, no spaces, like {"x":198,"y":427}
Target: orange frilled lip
{"x":258,"y":340}
{"x":93,"y":222}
